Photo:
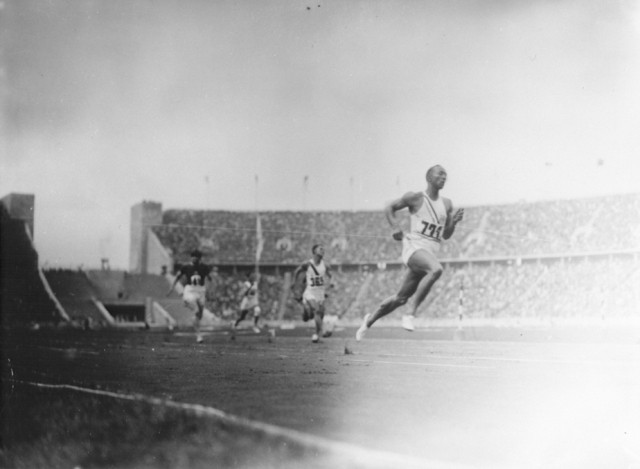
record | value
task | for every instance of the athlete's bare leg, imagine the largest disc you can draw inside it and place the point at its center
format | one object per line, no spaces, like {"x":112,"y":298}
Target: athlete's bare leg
{"x":433,"y":268}
{"x":196,"y":321}
{"x":408,"y":288}
{"x":256,"y":317}
{"x":319,"y":316}
{"x":243,"y":314}
{"x":307,"y":311}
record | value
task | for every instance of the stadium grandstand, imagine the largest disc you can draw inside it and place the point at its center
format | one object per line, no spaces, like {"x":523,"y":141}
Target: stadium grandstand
{"x":565,"y":259}
{"x":554,"y":263}
{"x":33,"y":296}
{"x":576,"y":258}
{"x":25,"y":300}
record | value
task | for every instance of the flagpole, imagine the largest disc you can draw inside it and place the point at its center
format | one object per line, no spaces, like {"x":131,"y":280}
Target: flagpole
{"x":259,"y":243}
{"x":305,"y":184}
{"x":207,"y":196}
{"x":255,"y":195}
{"x":351,"y":194}
{"x":259,"y":240}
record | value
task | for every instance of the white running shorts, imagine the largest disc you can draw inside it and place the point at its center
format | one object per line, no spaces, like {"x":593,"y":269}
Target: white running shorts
{"x":410,"y":245}
{"x":194,"y":294}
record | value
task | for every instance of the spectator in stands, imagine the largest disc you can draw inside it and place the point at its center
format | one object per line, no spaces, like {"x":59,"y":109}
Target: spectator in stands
{"x":432,"y":219}
{"x":193,"y":277}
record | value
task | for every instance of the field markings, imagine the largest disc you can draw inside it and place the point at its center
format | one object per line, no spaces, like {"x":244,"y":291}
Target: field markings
{"x":367,"y":457}
{"x":444,"y":365}
{"x":67,"y":350}
{"x":502,"y":359}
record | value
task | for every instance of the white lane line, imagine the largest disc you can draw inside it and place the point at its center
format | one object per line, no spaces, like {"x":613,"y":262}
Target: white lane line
{"x":68,"y":350}
{"x":501,"y":359}
{"x":362,"y":456}
{"x":444,"y":365}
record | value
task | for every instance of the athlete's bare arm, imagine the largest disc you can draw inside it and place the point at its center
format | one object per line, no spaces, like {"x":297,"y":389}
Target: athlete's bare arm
{"x":329,"y":275}
{"x":175,"y":280}
{"x":299,"y":269}
{"x":297,"y":292}
{"x":452,"y":218}
{"x":410,"y":200}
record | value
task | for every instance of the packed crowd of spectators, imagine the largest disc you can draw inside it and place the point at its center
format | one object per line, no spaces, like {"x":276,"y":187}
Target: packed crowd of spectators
{"x":585,"y":287}
{"x":564,"y":258}
{"x":590,"y":287}
{"x":562,"y":226}
{"x":227,"y":289}
{"x":287,"y":237}
{"x":601,"y":224}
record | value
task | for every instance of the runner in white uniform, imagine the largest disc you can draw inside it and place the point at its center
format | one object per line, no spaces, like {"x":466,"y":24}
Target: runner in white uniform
{"x":249,"y":302}
{"x":316,"y":277}
{"x":426,"y":226}
{"x":432,"y":219}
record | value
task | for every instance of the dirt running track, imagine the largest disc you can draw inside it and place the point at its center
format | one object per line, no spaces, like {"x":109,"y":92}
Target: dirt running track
{"x":478,"y":403}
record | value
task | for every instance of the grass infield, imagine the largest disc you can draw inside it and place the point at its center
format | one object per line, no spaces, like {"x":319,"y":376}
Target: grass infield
{"x":61,"y":428}
{"x":536,"y":398}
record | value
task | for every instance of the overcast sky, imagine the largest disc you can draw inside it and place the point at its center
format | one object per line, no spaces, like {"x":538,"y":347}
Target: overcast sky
{"x":110,"y":102}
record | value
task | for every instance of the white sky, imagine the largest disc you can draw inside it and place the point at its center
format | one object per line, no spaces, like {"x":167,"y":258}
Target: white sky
{"x":110,"y":102}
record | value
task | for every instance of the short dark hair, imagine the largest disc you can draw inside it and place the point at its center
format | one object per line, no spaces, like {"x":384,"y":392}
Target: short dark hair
{"x":196,"y":253}
{"x":431,"y":170}
{"x":315,"y":246}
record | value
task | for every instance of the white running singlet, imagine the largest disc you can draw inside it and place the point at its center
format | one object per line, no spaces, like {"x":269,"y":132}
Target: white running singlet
{"x":250,"y":300}
{"x":426,"y":227}
{"x":315,"y":277}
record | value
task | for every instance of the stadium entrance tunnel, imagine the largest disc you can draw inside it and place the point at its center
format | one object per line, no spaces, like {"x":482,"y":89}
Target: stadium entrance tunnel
{"x":127,"y":312}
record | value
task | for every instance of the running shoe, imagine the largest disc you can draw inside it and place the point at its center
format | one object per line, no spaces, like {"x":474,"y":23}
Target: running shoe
{"x":256,"y":329}
{"x":407,"y":323}
{"x":199,"y":339}
{"x":363,"y":328}
{"x":314,"y":338}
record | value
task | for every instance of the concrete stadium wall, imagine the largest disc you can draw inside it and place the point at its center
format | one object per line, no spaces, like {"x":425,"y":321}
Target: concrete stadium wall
{"x":158,"y":260}
{"x":21,"y":207}
{"x":143,"y":215}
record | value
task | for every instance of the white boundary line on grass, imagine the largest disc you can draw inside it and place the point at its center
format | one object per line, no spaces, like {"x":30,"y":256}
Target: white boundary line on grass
{"x":444,"y":365}
{"x":365,"y":457}
{"x":68,"y":350}
{"x":502,"y":359}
